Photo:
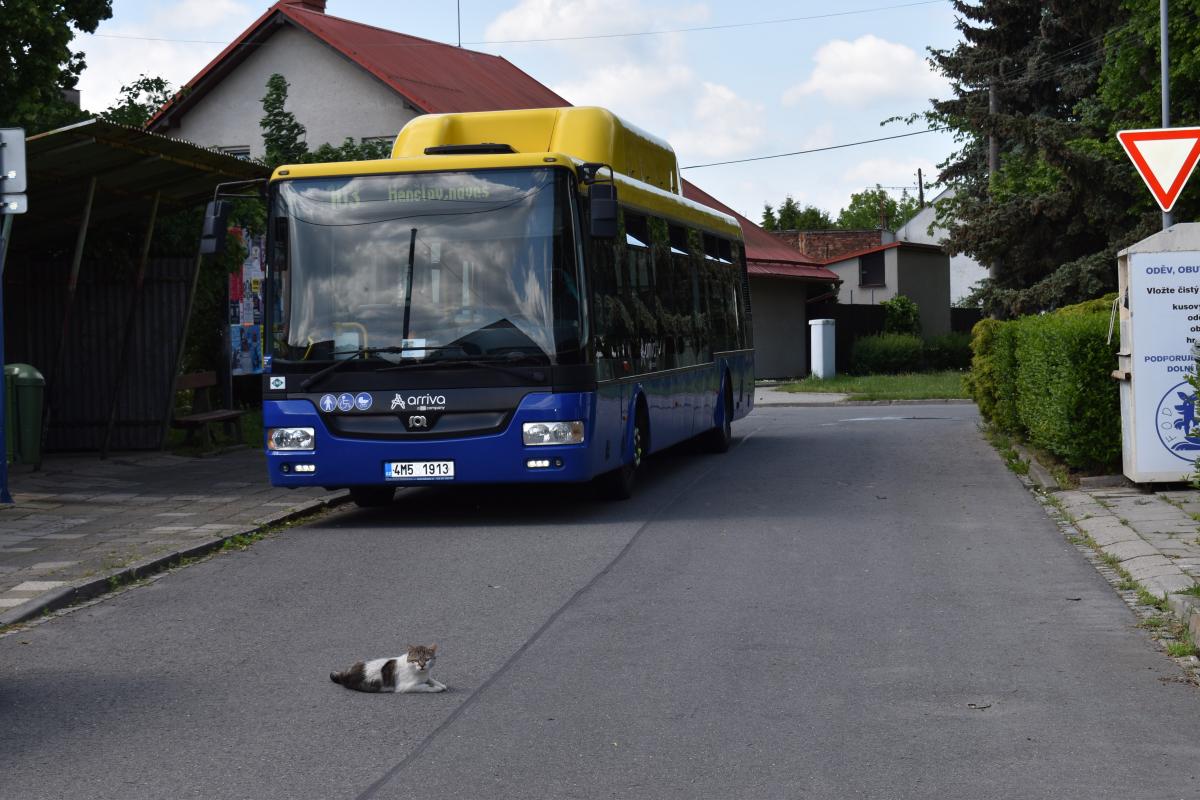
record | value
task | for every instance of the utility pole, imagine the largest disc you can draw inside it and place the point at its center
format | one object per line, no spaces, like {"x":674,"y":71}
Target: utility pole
{"x":458,"y":5}
{"x":1164,"y":53}
{"x":920,"y":189}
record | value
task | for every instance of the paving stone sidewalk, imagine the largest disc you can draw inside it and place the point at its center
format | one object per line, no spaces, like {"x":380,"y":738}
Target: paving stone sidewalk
{"x":1152,"y":534}
{"x":80,"y":520}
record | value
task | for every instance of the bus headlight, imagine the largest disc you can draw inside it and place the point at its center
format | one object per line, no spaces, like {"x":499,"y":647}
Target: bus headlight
{"x":291,"y":439}
{"x":535,"y":433}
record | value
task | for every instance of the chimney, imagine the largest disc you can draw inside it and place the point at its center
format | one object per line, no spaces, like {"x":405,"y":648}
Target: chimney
{"x":308,"y":5}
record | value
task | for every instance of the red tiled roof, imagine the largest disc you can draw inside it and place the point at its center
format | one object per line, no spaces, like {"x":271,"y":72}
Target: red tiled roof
{"x":932,"y":248}
{"x":765,"y":255}
{"x":435,"y":77}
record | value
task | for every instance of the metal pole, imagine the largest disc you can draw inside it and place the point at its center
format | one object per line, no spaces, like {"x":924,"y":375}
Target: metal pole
{"x":1165,"y":59}
{"x":130,"y":318}
{"x":459,"y":6}
{"x":5,"y":235}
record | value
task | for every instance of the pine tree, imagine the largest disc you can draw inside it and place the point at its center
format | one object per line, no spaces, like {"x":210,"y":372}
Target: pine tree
{"x":283,"y":135}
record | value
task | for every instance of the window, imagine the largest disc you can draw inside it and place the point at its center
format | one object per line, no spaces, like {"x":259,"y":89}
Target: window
{"x":870,"y":269}
{"x":241,"y":151}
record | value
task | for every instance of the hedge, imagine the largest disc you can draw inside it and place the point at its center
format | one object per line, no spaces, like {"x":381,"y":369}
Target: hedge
{"x":886,"y":354}
{"x":1048,"y":378}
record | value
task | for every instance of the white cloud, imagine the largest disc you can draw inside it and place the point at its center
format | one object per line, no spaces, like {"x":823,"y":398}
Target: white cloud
{"x":123,"y":52}
{"x":891,"y":172}
{"x":866,"y":70}
{"x":724,"y":125}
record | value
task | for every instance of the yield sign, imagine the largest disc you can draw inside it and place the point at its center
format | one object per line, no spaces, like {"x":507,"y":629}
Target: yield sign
{"x":1164,"y":157}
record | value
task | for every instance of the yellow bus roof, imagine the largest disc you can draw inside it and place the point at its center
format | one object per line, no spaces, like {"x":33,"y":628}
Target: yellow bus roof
{"x":645,"y":168}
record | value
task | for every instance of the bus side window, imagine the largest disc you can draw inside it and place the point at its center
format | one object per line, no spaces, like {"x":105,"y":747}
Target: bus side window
{"x":640,"y":258}
{"x":682,"y":300}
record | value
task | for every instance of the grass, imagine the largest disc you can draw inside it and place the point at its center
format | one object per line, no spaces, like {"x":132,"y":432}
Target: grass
{"x":946,"y":385}
{"x":250,"y":433}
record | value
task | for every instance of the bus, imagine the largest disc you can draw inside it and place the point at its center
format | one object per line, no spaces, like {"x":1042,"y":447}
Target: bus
{"x":512,"y":297}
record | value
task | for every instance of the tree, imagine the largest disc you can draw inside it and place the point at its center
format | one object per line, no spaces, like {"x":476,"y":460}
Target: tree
{"x":139,"y":101}
{"x":875,"y":208}
{"x":1050,"y":214}
{"x":283,"y":135}
{"x":791,"y":217}
{"x":37,"y":61}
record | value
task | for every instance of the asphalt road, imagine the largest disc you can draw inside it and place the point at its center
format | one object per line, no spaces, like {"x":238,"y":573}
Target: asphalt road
{"x":853,"y":602}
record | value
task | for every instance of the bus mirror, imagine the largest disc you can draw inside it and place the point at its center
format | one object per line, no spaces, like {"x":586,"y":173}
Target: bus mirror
{"x":603,"y":198}
{"x":212,"y":235}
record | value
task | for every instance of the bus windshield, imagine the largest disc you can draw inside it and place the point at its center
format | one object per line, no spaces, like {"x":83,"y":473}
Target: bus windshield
{"x":428,"y":266}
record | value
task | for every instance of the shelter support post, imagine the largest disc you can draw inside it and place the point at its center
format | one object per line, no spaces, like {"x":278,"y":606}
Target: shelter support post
{"x":130,"y":318}
{"x":72,"y":283}
{"x":5,"y":235}
{"x":187,"y":321}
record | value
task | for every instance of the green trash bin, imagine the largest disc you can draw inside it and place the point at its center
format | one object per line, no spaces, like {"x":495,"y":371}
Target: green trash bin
{"x":24,"y":393}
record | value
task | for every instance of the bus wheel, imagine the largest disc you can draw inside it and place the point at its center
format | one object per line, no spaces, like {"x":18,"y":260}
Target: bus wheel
{"x":718,"y":439}
{"x":372,"y":496}
{"x":618,"y":484}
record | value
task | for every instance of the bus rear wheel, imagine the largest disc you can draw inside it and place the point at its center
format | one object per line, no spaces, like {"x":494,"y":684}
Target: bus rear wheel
{"x":372,"y":496}
{"x":618,"y":484}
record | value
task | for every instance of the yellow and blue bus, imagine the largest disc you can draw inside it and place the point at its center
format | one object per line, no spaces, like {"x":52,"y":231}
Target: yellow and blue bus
{"x":518,"y":296}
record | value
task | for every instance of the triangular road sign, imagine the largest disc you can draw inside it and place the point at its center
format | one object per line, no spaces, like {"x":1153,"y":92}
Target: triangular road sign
{"x":1164,"y":157}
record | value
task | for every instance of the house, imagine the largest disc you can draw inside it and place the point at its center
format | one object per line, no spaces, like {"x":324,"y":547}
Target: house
{"x":874,"y":266}
{"x":965,"y":272}
{"x":920,"y":272}
{"x":353,"y":80}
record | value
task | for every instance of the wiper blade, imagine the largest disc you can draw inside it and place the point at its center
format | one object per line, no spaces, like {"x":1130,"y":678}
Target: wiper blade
{"x":336,"y":365}
{"x":497,"y":364}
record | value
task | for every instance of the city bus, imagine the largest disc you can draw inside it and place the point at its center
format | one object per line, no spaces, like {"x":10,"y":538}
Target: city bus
{"x":512,"y":297}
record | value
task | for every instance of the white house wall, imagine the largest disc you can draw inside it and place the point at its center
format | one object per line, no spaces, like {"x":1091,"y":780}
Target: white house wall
{"x":965,"y":272}
{"x":849,"y":292}
{"x":332,"y":97}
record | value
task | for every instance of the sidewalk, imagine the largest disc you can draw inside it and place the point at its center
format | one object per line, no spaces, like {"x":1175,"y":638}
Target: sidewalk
{"x":82,"y":524}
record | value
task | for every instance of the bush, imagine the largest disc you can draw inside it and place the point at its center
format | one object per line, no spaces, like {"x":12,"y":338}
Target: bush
{"x":886,"y":354}
{"x":901,"y":315}
{"x":1066,"y":397}
{"x":1048,"y":378}
{"x":948,"y":351}
{"x":992,"y":382}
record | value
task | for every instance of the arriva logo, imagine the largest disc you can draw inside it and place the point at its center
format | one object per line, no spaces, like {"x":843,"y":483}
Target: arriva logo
{"x":422,"y":402}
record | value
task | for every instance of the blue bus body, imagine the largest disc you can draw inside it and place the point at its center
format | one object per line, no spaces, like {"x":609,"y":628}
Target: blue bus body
{"x":680,"y":404}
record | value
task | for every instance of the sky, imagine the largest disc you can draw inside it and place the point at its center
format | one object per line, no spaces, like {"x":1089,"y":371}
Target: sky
{"x":761,"y":77}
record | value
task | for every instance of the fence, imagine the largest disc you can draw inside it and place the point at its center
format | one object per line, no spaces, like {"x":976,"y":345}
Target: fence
{"x":82,"y":391}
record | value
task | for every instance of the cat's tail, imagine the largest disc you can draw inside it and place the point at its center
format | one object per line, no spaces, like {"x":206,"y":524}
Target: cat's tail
{"x":336,"y":677}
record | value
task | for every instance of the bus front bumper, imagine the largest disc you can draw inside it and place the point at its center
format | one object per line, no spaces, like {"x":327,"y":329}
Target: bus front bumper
{"x":503,"y":457}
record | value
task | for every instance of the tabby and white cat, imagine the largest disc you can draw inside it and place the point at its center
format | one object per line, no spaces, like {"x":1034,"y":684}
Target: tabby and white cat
{"x":402,"y":674}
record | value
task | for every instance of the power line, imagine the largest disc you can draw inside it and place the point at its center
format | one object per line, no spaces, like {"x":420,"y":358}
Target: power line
{"x":630,"y":34}
{"x":816,"y":149}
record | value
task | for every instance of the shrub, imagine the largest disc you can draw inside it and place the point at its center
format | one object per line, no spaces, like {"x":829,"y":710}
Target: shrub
{"x":886,"y":354}
{"x":948,"y":351}
{"x":1066,"y":397}
{"x":992,"y":381}
{"x":901,"y":315}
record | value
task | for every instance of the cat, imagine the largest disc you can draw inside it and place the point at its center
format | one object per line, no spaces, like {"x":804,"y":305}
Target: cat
{"x":404,"y":674}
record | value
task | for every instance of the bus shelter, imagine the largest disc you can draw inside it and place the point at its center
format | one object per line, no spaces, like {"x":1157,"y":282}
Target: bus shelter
{"x":91,"y":298}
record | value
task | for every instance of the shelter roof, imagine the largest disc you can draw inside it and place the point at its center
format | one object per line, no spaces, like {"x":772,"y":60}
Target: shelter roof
{"x":129,"y":164}
{"x":433,"y":76}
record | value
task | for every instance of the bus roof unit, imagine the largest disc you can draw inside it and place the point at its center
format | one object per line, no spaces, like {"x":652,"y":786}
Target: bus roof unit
{"x":586,"y":133}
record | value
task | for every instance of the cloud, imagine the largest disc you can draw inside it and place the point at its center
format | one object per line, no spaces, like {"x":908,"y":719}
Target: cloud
{"x":866,"y":70}
{"x":723,"y":125}
{"x":891,"y":172}
{"x":113,"y":62}
{"x":648,"y":80}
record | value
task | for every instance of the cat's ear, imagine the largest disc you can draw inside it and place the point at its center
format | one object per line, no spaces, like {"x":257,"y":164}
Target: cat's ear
{"x":433,"y":648}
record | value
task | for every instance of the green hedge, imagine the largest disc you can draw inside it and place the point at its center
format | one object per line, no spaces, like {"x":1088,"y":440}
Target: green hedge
{"x":948,"y":351}
{"x":886,"y":354}
{"x":1048,"y":378}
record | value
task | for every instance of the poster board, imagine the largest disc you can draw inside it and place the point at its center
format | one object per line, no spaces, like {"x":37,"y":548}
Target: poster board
{"x":246,"y":307}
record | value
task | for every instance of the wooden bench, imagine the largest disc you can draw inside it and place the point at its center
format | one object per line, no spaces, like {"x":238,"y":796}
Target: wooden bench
{"x":203,"y":414}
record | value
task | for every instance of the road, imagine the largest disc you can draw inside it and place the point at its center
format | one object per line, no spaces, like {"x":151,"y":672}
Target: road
{"x":854,"y":602}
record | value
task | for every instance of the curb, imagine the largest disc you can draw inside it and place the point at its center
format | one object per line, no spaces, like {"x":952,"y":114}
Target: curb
{"x":943,"y":401}
{"x":96,"y":587}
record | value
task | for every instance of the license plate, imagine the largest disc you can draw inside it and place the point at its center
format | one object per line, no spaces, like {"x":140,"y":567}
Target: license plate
{"x":419,"y":470}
